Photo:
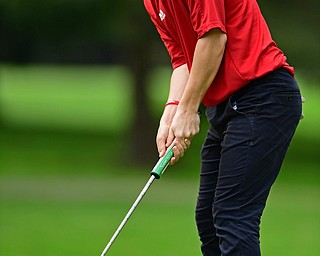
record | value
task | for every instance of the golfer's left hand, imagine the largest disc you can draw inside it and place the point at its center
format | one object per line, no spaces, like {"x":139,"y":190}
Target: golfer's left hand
{"x":185,"y":125}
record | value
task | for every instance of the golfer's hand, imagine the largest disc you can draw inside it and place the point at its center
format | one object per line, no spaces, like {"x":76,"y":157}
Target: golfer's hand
{"x":185,"y":125}
{"x":164,"y":138}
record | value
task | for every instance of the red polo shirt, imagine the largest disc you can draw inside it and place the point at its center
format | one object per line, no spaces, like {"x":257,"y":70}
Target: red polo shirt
{"x":250,"y":51}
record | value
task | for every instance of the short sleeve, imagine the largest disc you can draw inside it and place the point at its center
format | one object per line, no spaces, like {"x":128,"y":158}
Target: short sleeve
{"x":206,"y":15}
{"x":173,"y":47}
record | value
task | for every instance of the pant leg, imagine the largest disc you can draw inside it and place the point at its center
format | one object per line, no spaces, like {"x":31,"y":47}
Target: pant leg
{"x":210,"y":154}
{"x":256,"y":128}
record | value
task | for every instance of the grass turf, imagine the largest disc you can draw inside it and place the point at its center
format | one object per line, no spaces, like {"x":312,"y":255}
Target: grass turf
{"x":78,"y":216}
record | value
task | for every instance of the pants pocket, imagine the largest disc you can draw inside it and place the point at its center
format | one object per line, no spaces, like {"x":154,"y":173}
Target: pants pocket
{"x":287,"y":98}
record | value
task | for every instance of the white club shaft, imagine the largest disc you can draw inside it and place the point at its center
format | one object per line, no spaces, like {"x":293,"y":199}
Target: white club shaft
{"x":126,"y":218}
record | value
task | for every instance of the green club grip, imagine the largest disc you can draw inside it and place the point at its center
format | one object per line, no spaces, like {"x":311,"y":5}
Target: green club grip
{"x":163,"y":162}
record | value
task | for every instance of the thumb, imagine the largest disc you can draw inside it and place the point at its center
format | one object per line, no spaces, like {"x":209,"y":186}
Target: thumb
{"x":170,"y":138}
{"x":161,"y":147}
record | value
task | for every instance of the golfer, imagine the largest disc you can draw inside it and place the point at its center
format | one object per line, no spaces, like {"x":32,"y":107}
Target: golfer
{"x":223,"y":55}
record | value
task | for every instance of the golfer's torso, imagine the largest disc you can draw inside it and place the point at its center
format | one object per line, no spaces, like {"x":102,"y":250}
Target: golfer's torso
{"x":185,"y":21}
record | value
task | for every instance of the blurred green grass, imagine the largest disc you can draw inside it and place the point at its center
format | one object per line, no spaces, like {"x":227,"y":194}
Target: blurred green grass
{"x":64,"y":187}
{"x":73,"y":98}
{"x":78,"y":216}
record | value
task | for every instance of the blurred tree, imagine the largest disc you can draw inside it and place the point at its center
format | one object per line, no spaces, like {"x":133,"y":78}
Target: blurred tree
{"x":294,"y":26}
{"x":81,"y":31}
{"x":137,"y":37}
{"x":100,"y":31}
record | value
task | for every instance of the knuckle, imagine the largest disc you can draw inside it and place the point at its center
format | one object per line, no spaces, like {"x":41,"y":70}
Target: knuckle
{"x":179,"y":135}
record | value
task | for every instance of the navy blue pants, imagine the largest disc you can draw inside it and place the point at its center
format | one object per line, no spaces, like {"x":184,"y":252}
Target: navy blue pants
{"x":241,"y":158}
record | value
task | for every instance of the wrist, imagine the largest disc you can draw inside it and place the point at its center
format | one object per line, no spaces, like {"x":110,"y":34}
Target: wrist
{"x":168,"y":114}
{"x":171,"y":102}
{"x":188,"y":107}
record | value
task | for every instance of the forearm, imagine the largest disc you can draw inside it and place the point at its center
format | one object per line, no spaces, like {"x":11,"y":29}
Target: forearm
{"x":178,"y":83}
{"x":207,"y":59}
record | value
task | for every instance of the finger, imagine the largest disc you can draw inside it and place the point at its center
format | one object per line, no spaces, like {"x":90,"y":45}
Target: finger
{"x":182,"y":144}
{"x":178,"y":152}
{"x":187,"y":142}
{"x":161,"y":145}
{"x":180,"y":147}
{"x":175,"y":157}
{"x":172,"y":161}
{"x":170,"y":138}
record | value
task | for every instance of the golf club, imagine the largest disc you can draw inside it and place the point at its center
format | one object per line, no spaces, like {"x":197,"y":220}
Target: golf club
{"x":156,"y":173}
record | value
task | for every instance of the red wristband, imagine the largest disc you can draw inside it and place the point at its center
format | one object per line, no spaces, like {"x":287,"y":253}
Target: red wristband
{"x":172,"y":102}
